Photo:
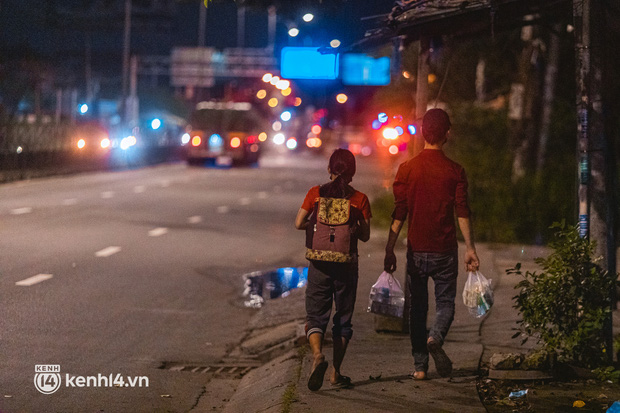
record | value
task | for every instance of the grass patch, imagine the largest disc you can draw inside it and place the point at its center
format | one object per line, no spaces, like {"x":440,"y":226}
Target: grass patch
{"x":290,"y":394}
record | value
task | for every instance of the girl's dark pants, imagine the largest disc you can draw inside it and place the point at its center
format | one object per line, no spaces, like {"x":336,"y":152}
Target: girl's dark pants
{"x":330,"y":282}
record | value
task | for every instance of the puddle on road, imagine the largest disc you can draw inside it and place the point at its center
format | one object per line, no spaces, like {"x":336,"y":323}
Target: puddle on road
{"x":267,"y":285}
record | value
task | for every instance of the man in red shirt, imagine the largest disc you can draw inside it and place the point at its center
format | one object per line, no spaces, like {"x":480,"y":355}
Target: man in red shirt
{"x":430,"y":189}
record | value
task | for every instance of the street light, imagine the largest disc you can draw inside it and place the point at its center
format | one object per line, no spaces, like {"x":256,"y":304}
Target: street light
{"x":293,"y":32}
{"x":341,"y":98}
{"x":335,"y":43}
{"x":308,"y":17}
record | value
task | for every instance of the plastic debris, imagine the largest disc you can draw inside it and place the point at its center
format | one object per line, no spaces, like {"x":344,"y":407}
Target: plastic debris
{"x":517,"y":394}
{"x":260,"y":285}
{"x":614,"y":408}
{"x":579,"y":403}
{"x":166,"y":396}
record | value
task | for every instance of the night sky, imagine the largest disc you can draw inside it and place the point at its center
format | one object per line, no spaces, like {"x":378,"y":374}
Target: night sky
{"x":58,"y":29}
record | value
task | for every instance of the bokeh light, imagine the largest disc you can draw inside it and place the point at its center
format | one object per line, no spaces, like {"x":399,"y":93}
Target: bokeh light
{"x":390,"y":133}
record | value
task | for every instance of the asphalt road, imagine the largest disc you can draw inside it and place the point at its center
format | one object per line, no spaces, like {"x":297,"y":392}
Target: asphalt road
{"x":134,"y":269}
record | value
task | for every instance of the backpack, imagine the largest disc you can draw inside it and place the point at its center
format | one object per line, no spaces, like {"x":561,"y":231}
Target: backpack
{"x":329,"y":235}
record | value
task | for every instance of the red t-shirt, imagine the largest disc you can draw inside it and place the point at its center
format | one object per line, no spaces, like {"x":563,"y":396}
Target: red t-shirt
{"x":430,"y":189}
{"x":358,"y":200}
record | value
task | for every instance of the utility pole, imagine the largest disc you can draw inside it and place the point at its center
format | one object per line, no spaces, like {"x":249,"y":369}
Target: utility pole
{"x":421,"y":103}
{"x":421,"y":100}
{"x":202,"y":24}
{"x":126,"y":51}
{"x":241,"y":27}
{"x":271,"y":27}
{"x":595,"y":197}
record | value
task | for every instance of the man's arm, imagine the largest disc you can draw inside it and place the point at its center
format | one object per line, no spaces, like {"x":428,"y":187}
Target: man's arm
{"x":472,"y":263}
{"x":389,"y":263}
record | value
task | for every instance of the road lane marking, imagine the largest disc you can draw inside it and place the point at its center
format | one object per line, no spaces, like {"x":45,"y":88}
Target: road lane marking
{"x":70,"y":201}
{"x":106,"y":252}
{"x":245,"y":201}
{"x":157,"y":232}
{"x":107,"y":194}
{"x":20,"y":211}
{"x":34,"y":280}
{"x":262,"y":195}
{"x":222,"y":209}
{"x":195,"y":219}
{"x":139,"y":189}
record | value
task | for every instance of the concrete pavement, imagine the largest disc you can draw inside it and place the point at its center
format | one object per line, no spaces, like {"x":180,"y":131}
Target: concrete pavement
{"x":380,"y":363}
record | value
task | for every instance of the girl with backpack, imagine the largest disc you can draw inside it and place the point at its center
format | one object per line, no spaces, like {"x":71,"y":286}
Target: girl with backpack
{"x":335,"y":216}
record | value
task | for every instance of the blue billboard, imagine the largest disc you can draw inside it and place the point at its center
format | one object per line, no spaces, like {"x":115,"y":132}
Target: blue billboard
{"x":361,"y":69}
{"x":308,"y":63}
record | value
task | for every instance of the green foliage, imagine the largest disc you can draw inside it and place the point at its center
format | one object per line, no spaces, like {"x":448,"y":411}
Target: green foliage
{"x":566,"y":305}
{"x":608,"y":373}
{"x":382,"y":207}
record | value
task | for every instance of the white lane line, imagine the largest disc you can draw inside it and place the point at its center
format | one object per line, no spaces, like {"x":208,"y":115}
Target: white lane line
{"x":139,"y":189}
{"x":34,"y":280}
{"x":245,"y":201}
{"x":107,"y":194}
{"x":195,"y":219}
{"x":157,"y":232}
{"x":20,"y":211}
{"x":262,"y":195}
{"x":106,"y":252}
{"x":70,"y":201}
{"x":223,"y":209}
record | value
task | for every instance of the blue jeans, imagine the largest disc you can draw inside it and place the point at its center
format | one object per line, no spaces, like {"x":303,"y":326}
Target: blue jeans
{"x":443,"y":269}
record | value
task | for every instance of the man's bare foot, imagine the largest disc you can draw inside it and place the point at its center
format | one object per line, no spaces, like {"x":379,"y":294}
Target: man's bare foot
{"x":338,"y":380}
{"x":419,"y":375}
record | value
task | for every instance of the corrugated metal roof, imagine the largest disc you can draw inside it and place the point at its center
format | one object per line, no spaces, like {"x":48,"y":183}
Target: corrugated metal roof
{"x":416,"y":18}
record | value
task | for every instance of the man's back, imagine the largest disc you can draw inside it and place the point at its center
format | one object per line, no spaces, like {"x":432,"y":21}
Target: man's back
{"x":429,"y":189}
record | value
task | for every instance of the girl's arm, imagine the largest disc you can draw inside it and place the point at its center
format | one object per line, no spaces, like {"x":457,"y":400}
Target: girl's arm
{"x":363,"y":230}
{"x":301,"y":221}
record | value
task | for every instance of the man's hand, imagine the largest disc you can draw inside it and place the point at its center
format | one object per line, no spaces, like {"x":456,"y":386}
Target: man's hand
{"x":472,"y":263}
{"x":389,"y":263}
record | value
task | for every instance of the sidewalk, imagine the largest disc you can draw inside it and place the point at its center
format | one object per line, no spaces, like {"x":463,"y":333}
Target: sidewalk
{"x":379,"y":363}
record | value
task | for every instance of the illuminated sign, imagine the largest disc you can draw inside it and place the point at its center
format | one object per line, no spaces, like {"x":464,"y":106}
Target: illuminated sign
{"x":308,"y":63}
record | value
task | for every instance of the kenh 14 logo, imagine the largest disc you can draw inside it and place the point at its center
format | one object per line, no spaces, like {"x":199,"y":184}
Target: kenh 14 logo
{"x":47,"y":378}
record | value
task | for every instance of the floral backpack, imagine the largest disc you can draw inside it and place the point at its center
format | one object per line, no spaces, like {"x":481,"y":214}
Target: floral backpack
{"x":330,"y":232}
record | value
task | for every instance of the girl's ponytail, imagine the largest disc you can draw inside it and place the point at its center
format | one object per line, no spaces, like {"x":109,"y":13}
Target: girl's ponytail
{"x":341,"y":164}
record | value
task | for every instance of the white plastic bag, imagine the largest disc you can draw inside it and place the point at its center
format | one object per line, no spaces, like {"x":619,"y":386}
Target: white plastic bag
{"x":477,"y":294}
{"x":386,"y":296}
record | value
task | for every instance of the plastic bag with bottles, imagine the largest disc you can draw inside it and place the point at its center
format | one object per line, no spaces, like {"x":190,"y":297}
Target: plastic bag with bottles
{"x":386,"y":296}
{"x":477,"y":294}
